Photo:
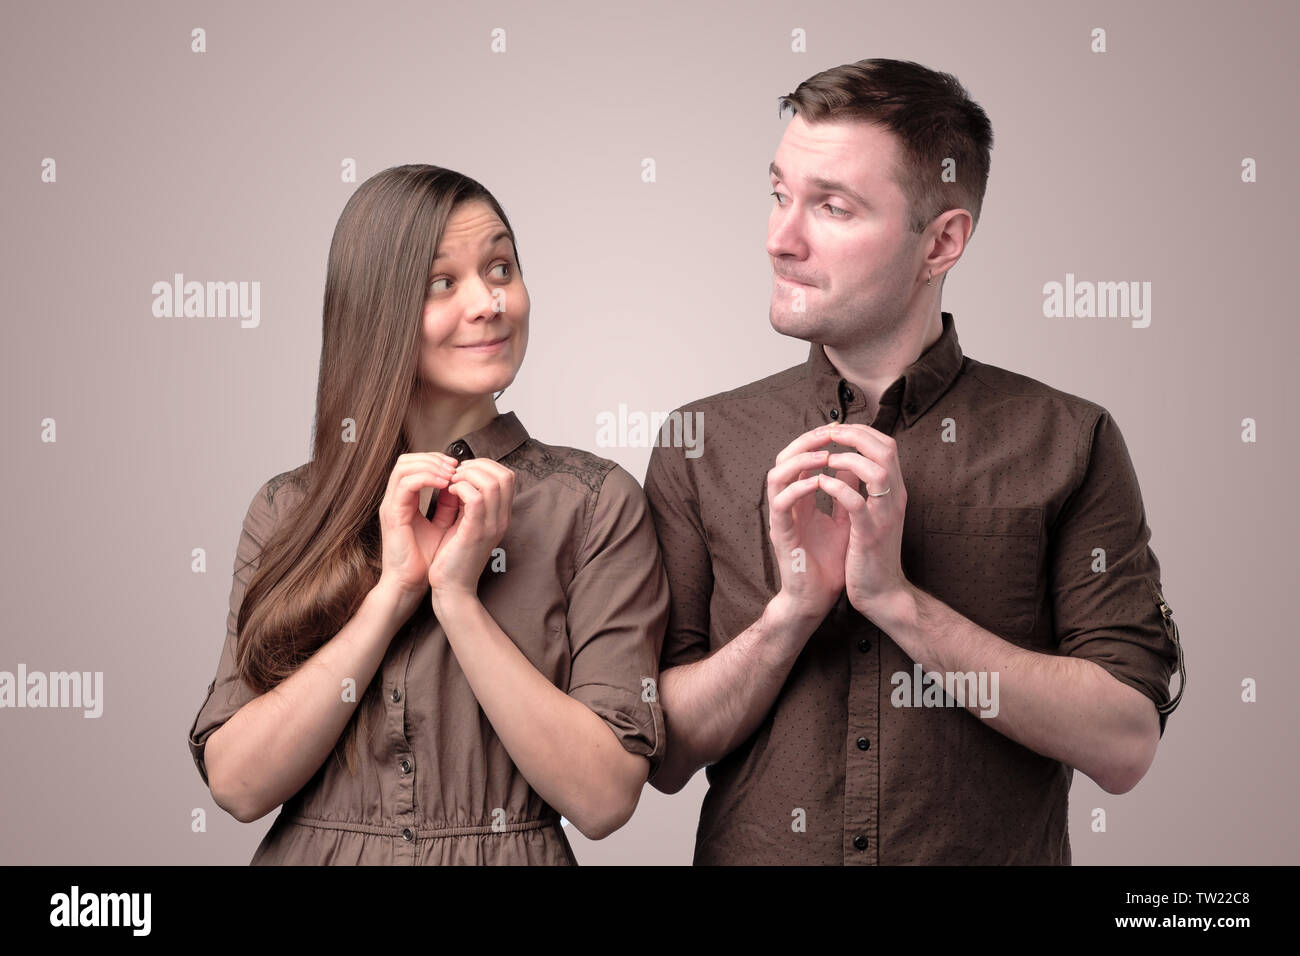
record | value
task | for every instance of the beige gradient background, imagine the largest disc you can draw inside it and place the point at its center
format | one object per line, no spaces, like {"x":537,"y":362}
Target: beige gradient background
{"x":226,"y":166}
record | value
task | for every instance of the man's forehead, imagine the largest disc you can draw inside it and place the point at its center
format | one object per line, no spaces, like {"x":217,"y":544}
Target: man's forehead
{"x":861,"y":150}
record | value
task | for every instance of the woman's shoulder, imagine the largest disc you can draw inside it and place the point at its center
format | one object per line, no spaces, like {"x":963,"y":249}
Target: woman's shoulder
{"x":570,"y":467}
{"x":291,"y":483}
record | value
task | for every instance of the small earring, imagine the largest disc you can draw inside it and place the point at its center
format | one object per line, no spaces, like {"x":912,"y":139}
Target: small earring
{"x":927,"y":278}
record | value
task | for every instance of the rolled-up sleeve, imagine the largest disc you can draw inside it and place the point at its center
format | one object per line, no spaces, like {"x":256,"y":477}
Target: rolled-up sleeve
{"x":1116,"y":617}
{"x":228,"y":692}
{"x":617,"y":611}
{"x":674,"y":507}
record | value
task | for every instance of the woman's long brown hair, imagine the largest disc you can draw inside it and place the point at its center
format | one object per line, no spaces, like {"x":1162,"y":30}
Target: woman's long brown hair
{"x":325,"y":555}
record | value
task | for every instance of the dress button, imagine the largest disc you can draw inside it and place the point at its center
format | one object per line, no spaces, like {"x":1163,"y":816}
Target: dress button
{"x":860,"y":842}
{"x":846,"y":393}
{"x":397,"y":695}
{"x":408,"y":836}
{"x":406,"y":766}
{"x":835,"y":414}
{"x":460,"y":450}
{"x":864,"y":645}
{"x":864,"y":743}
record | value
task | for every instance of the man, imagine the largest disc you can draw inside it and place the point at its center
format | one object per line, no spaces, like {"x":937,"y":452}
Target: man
{"x":891,"y":510}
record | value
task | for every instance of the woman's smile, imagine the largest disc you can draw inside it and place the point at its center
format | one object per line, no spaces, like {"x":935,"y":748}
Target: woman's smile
{"x":489,"y":346}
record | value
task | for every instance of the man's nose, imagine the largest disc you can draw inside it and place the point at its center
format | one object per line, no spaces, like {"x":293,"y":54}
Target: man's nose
{"x":785,"y":236}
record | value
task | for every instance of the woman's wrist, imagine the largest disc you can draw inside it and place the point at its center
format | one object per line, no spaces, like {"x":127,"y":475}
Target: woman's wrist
{"x":393,"y":597}
{"x":449,"y":603}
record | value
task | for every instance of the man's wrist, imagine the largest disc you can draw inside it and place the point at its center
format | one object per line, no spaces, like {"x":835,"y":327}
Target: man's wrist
{"x":786,"y":623}
{"x":894,"y":611}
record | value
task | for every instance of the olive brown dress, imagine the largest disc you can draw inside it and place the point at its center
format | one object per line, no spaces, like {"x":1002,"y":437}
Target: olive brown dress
{"x":584,"y":596}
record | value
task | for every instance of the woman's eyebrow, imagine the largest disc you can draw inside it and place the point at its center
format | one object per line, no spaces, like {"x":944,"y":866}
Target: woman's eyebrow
{"x":487,"y":245}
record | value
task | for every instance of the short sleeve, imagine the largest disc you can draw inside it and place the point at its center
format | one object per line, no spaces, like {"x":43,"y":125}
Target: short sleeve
{"x":674,"y":506}
{"x":228,"y":692}
{"x":617,"y":610}
{"x":1116,"y":617}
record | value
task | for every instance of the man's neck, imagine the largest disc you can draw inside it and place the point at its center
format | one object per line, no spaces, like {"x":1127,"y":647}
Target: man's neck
{"x":873,"y":366}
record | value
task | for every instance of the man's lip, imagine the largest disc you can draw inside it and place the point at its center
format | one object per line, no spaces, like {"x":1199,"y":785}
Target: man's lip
{"x":792,"y":279}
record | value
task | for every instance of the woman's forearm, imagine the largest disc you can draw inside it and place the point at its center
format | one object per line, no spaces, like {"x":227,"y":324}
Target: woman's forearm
{"x":567,"y":753}
{"x":272,"y":746}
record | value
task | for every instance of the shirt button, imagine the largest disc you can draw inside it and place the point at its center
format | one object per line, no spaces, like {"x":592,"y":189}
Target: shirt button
{"x":835,"y":414}
{"x":860,"y":842}
{"x":864,"y":645}
{"x":406,"y":766}
{"x":397,"y":695}
{"x":408,"y":836}
{"x":863,"y":743}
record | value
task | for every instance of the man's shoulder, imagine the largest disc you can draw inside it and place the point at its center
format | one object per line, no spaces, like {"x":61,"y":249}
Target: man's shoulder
{"x":995,"y":380}
{"x":769,"y":388}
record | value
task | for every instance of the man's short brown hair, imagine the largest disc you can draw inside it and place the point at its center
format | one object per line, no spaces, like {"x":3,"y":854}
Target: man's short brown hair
{"x":932,"y":117}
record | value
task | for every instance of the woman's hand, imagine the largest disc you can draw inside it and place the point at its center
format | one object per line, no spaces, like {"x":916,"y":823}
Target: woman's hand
{"x":471,"y":516}
{"x":410,"y":539}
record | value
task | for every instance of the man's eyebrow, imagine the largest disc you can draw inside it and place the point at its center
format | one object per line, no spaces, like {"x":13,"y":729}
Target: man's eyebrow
{"x":503,"y":234}
{"x":825,"y":185}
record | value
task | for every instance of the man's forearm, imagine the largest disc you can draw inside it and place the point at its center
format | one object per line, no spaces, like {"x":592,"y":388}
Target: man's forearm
{"x":710,"y":706}
{"x":1063,"y":707}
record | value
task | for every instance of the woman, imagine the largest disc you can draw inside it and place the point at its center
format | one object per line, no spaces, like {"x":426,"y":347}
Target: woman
{"x":443,"y":633}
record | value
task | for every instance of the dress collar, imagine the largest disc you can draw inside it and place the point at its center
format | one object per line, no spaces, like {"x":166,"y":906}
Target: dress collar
{"x":494,"y":440}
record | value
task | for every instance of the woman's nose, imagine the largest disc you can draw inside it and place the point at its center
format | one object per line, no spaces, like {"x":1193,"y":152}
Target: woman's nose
{"x":488,"y":300}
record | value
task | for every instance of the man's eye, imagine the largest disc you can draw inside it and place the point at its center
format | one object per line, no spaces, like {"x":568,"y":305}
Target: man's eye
{"x":837,"y":209}
{"x":776,"y":195}
{"x":506,"y":266}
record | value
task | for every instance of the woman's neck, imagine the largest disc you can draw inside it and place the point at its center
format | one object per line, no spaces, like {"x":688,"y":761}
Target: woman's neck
{"x":433,"y":424}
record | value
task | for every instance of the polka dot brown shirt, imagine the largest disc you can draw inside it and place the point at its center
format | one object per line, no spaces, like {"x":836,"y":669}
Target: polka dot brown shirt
{"x":1012,"y":488}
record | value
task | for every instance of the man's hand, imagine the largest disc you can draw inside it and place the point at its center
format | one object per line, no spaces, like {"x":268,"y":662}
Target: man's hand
{"x":873,"y":573}
{"x":809,"y":545}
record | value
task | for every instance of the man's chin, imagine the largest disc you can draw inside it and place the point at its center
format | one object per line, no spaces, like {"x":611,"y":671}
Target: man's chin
{"x":797,"y":326}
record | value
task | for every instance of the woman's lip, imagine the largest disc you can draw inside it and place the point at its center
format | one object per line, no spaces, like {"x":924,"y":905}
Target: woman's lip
{"x":489,"y":347}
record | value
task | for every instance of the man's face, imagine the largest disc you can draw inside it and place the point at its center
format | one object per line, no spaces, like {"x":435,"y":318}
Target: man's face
{"x":844,"y":260}
{"x":467,"y":346}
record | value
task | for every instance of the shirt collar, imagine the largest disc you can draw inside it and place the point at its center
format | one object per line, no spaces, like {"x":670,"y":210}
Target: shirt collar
{"x":918,"y":387}
{"x":494,"y":440}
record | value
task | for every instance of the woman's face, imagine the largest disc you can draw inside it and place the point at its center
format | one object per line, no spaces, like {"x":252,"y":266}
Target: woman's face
{"x":475,"y":323}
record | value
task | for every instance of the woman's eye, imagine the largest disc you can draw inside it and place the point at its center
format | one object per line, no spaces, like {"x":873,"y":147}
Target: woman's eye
{"x":434,"y":283}
{"x":506,"y":266}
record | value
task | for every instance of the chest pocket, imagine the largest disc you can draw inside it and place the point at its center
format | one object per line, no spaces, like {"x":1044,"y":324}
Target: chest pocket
{"x":984,"y":563}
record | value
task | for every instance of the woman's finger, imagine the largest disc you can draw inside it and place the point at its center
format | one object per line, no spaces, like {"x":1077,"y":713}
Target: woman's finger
{"x":496,"y":483}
